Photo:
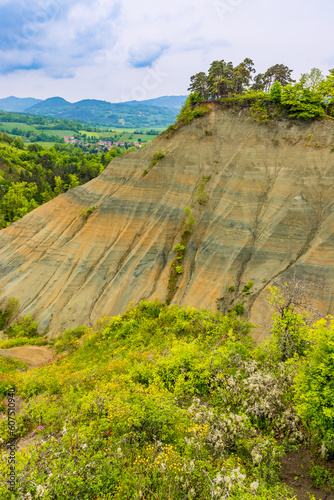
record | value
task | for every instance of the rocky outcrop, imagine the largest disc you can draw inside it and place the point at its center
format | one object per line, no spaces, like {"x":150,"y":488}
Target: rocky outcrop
{"x":262,"y":199}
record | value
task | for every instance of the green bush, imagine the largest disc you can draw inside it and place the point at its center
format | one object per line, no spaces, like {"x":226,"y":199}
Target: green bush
{"x":321,"y":477}
{"x":24,"y":327}
{"x":188,"y":219}
{"x":259,"y":108}
{"x":179,"y":248}
{"x":201,"y":196}
{"x":158,"y":155}
{"x":247,"y":287}
{"x":290,"y":334}
{"x":239,"y":309}
{"x":314,"y":386}
{"x":86,"y":213}
{"x":68,"y":340}
{"x":302,"y":102}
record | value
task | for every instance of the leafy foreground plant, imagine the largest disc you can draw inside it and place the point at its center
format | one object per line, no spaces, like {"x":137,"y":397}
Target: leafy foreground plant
{"x":162,"y":402}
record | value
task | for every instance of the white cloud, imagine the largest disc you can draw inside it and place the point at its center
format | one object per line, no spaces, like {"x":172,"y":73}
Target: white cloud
{"x":104,"y":49}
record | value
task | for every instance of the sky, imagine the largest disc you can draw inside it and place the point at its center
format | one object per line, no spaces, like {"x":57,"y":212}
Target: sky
{"x":120,"y":50}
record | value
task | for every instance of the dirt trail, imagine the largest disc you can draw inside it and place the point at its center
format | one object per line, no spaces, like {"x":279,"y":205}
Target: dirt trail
{"x":33,"y":355}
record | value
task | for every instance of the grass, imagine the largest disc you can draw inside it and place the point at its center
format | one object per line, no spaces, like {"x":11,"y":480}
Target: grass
{"x":126,"y":135}
{"x":8,"y":126}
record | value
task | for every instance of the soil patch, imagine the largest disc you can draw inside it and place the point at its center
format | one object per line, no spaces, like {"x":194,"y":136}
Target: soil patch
{"x":33,"y":355}
{"x":26,"y":441}
{"x":295,"y":470}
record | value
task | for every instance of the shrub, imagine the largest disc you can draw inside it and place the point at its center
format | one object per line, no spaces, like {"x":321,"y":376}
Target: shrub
{"x":247,"y":287}
{"x":321,"y":477}
{"x":24,"y":327}
{"x":314,"y":386}
{"x":158,"y":155}
{"x":86,"y":213}
{"x":290,"y":334}
{"x":160,"y":402}
{"x":302,"y":102}
{"x":179,"y":248}
{"x":260,"y":111}
{"x":239,"y":309}
{"x":202,"y":196}
{"x":68,"y":340}
{"x":188,"y":220}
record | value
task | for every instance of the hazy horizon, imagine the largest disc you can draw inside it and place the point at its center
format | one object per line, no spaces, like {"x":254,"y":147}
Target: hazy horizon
{"x":87,"y":98}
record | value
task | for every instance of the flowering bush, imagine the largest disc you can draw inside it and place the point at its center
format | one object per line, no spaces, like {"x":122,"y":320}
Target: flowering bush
{"x":161,"y":402}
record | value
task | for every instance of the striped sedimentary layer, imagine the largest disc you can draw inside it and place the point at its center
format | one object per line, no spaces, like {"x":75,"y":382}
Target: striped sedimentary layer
{"x":262,"y":200}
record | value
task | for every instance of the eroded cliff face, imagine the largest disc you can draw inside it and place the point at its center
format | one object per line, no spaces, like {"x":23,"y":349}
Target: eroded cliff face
{"x":269,"y":212}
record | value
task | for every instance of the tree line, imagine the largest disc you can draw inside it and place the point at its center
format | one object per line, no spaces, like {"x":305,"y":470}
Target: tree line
{"x":42,"y":122}
{"x":309,"y":97}
{"x":223,"y":79}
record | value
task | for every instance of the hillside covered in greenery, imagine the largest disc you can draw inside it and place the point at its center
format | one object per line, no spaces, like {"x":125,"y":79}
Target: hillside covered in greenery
{"x":32,"y":175}
{"x":172,"y":403}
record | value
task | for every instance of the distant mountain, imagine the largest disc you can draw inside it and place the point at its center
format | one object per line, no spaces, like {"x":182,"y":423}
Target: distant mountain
{"x":50,"y":107}
{"x":17,"y":104}
{"x":168,"y":101}
{"x":52,"y":102}
{"x":97,"y":112}
{"x":159,"y":112}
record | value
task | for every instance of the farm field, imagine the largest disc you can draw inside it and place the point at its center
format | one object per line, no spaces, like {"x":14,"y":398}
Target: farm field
{"x":126,"y":135}
{"x":122,"y":135}
{"x":9,"y":126}
{"x":47,"y":131}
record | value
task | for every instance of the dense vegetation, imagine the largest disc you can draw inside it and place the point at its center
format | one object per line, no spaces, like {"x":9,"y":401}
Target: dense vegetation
{"x":271,"y":94}
{"x":37,"y":128}
{"x":172,"y":403}
{"x":32,"y":175}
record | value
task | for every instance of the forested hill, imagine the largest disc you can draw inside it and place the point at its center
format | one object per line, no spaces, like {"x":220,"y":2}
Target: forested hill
{"x":32,"y":175}
{"x":17,"y":104}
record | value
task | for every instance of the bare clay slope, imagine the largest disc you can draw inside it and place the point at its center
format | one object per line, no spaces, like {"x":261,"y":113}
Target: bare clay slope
{"x":269,"y":211}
